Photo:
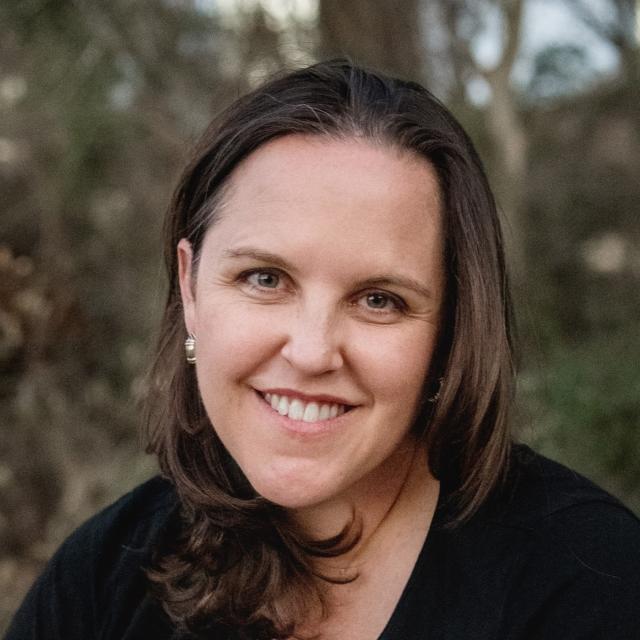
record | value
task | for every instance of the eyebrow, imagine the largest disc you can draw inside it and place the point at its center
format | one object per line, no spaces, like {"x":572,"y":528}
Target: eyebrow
{"x":380,"y":280}
{"x":398,"y":281}
{"x":258,"y":254}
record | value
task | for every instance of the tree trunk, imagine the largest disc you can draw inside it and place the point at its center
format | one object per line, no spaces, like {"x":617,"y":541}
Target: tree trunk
{"x":509,"y":138}
{"x":383,"y":34}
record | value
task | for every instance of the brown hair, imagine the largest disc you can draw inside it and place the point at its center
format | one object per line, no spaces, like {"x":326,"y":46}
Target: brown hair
{"x":236,"y":559}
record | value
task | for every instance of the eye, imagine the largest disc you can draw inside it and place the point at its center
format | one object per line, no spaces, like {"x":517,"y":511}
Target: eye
{"x":377,"y":301}
{"x":381,"y":302}
{"x":263,"y":279}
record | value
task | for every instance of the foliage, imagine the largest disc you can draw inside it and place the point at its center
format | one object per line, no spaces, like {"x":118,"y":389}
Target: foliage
{"x":581,"y":406}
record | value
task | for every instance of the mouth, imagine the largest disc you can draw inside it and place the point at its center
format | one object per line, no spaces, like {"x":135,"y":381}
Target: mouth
{"x":304,"y":411}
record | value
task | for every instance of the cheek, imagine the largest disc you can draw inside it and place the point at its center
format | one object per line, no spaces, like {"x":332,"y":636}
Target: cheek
{"x":397,"y":363}
{"x":231,"y":339}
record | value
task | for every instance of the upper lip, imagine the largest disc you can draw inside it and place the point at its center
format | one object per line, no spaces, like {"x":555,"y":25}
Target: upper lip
{"x":306,"y":397}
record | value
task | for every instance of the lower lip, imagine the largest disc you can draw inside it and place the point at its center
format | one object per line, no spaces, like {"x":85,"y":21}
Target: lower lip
{"x":300,"y":427}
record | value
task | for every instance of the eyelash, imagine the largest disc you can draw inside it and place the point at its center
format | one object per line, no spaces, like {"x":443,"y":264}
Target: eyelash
{"x":399,"y":304}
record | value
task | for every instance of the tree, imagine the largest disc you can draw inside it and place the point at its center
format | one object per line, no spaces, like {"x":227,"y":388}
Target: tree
{"x":383,"y":34}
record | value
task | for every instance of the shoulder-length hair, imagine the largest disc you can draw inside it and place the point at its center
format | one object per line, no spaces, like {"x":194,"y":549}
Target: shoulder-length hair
{"x":237,"y":560}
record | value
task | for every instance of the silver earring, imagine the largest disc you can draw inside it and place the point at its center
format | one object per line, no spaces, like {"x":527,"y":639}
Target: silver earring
{"x":190,"y":349}
{"x":436,"y":395}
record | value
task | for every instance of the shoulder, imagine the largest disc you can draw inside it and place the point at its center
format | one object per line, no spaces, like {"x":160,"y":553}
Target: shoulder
{"x":575,"y":562}
{"x":125,"y":530}
{"x":99,"y":570}
{"x":550,"y":502}
{"x":133,"y":521}
{"x":549,"y":555}
{"x":547,"y":487}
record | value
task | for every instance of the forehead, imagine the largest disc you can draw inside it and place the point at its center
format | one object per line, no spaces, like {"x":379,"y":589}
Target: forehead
{"x":302,"y":161}
{"x":313,"y":193}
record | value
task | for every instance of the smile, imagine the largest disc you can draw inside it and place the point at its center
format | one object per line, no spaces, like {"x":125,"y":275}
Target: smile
{"x":297,"y":409}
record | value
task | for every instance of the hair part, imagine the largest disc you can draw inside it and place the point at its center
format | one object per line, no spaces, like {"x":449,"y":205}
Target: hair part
{"x":238,"y":560}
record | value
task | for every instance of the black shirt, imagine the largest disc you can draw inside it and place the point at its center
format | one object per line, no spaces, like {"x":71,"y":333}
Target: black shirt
{"x":550,"y":557}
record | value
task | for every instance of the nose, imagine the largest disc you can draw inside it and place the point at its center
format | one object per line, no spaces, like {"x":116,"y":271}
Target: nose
{"x":313,"y":345}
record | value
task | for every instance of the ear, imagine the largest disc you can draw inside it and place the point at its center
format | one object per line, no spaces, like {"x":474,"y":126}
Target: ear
{"x":187,"y":282}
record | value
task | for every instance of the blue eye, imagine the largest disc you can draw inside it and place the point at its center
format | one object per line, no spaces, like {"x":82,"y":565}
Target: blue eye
{"x":263,"y":279}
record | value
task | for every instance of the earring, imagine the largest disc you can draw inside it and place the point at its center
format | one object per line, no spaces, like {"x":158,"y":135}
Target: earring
{"x":190,"y":349}
{"x":436,"y":395}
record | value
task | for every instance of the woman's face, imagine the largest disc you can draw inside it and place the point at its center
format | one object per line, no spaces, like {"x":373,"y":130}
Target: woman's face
{"x":316,"y":306}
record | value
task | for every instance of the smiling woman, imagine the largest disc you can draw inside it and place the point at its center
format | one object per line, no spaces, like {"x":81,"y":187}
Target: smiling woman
{"x":330,"y":405}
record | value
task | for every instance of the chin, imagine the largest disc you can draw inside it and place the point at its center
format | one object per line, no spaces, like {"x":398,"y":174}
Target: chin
{"x":290,"y":493}
{"x":290,"y":498}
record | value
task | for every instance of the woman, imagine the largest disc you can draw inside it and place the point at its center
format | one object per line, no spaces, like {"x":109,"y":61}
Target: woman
{"x":330,"y":405}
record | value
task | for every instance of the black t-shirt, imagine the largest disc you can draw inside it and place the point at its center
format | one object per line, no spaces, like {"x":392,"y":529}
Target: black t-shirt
{"x":551,"y":557}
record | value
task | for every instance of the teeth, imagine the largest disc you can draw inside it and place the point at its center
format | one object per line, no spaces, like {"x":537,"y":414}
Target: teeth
{"x":311,"y":412}
{"x":283,"y":406}
{"x":296,"y":409}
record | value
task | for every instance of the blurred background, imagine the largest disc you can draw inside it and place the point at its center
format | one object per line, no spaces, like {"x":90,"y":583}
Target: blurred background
{"x":100,"y":103}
